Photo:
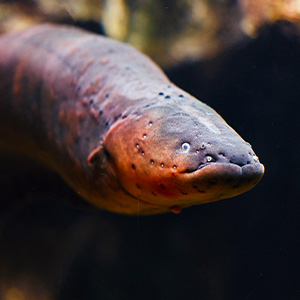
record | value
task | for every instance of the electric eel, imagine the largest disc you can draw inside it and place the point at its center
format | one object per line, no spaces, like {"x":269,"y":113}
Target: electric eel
{"x":109,"y":121}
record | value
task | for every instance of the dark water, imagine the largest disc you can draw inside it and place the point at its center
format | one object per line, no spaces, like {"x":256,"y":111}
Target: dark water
{"x":245,"y":248}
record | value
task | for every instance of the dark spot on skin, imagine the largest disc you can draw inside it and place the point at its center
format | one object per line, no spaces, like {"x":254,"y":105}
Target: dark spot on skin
{"x":167,"y":97}
{"x":92,"y":101}
{"x":236,"y":186}
{"x":124,"y":117}
{"x":100,"y":112}
{"x":169,"y":86}
{"x":181,"y":96}
{"x":229,"y":180}
{"x":148,"y":105}
{"x":133,"y":166}
{"x":127,"y":68}
{"x":211,"y":182}
{"x":201,"y":191}
{"x":162,"y":186}
{"x":161,"y":94}
{"x":202,"y":147}
{"x":107,"y":95}
{"x":138,"y":186}
{"x":153,"y":194}
{"x":106,"y":124}
{"x":184,"y":193}
{"x":117,"y":117}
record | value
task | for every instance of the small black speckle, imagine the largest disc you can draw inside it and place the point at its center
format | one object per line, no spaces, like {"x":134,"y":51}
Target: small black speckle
{"x":167,"y":97}
{"x":236,"y":186}
{"x":153,"y":193}
{"x":133,"y":166}
{"x":117,"y":117}
{"x":184,"y":193}
{"x":91,"y":101}
{"x":107,"y":95}
{"x":138,"y":186}
{"x":100,"y":112}
{"x":124,"y":117}
{"x":169,"y":86}
{"x":148,"y":105}
{"x":211,"y":182}
{"x":181,"y":96}
{"x":228,"y":180}
{"x":161,"y":94}
{"x":162,"y":186}
{"x":106,"y":124}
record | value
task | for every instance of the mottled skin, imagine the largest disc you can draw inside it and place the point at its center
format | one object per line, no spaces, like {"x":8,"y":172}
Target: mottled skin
{"x":109,"y":121}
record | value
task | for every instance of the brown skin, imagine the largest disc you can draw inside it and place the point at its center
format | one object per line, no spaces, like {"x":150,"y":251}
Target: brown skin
{"x":108,"y":120}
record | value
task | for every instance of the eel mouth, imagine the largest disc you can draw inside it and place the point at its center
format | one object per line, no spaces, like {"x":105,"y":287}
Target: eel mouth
{"x":228,"y":168}
{"x":227,"y":176}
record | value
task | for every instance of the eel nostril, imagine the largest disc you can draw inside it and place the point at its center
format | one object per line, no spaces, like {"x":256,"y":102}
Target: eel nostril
{"x":210,"y":158}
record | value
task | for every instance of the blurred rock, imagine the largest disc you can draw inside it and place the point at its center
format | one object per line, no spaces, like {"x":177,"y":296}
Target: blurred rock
{"x":257,"y":14}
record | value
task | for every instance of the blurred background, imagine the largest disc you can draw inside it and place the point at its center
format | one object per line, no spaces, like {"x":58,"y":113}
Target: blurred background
{"x":243,"y":59}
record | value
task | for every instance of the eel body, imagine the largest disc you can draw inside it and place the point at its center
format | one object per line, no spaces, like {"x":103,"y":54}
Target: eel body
{"x":107,"y":119}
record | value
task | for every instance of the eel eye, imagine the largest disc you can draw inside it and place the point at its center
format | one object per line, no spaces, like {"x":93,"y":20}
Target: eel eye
{"x":185,"y":147}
